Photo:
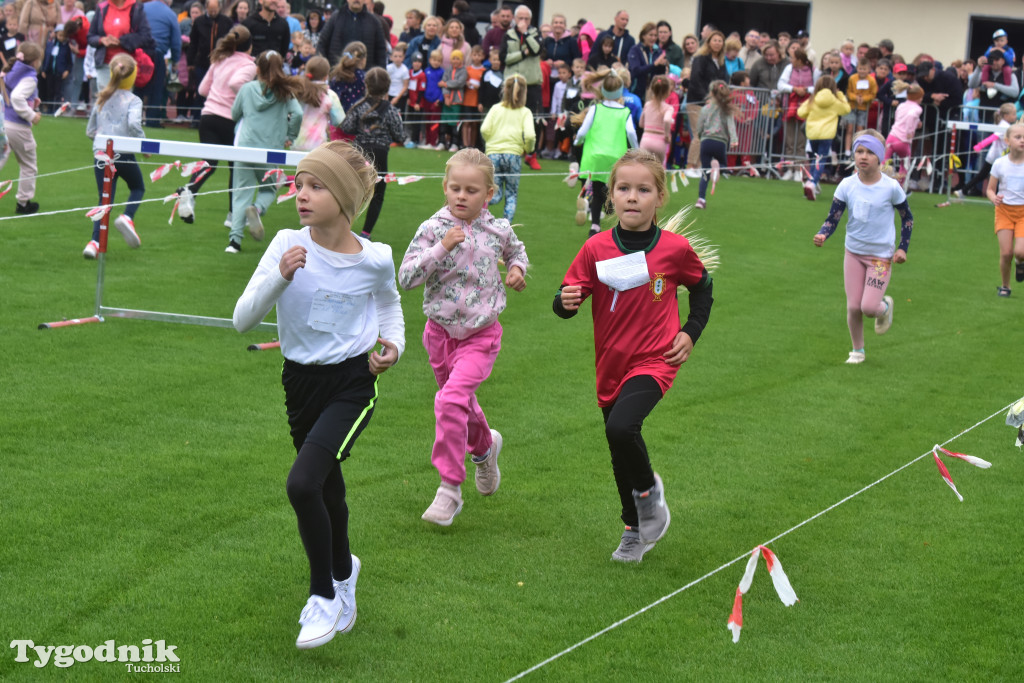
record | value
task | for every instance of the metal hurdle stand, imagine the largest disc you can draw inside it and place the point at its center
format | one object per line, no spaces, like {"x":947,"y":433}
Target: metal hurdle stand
{"x":116,"y":144}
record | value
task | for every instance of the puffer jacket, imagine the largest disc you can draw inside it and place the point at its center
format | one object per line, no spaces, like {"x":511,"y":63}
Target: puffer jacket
{"x":822,"y":113}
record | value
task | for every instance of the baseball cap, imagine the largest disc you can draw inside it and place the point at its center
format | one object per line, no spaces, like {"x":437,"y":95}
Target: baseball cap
{"x":899,"y":68}
{"x":999,"y":34}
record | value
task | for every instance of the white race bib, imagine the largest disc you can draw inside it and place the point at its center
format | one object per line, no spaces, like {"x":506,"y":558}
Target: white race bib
{"x":623,"y":272}
{"x":863,"y":85}
{"x":336,"y":312}
{"x":493,"y":79}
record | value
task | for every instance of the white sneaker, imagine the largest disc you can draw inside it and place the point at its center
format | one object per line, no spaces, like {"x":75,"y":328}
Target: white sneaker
{"x":424,"y":146}
{"x":692,"y":173}
{"x":319,"y":620}
{"x":855,"y":358}
{"x":255,"y":223}
{"x":347,"y":590}
{"x":453,"y":148}
{"x":439,"y":146}
{"x":126,"y":227}
{"x":91,"y":250}
{"x":447,"y":503}
{"x":488,"y":476}
{"x":80,"y":106}
{"x":227,"y":221}
{"x":884,"y":321}
{"x":788,"y":175}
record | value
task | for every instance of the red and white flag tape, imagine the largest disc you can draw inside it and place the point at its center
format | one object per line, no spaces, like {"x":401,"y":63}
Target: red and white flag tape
{"x":781,"y":582}
{"x":674,"y":182}
{"x":63,"y":108}
{"x":410,"y":179}
{"x":193,"y":167}
{"x":104,"y":160}
{"x":5,"y":187}
{"x":174,"y":209}
{"x":944,"y":471}
{"x":279,"y":176}
{"x":388,"y":178}
{"x":97,"y":213}
{"x":288,"y":194}
{"x":160,"y":171}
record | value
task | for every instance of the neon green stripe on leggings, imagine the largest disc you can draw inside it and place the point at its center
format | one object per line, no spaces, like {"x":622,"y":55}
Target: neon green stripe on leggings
{"x":359,"y":420}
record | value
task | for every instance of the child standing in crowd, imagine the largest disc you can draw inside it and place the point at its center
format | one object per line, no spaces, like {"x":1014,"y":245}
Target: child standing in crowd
{"x":797,"y":80}
{"x":348,"y":76}
{"x":509,"y":133}
{"x":417,"y":84}
{"x":492,"y":86}
{"x":822,"y":112}
{"x":656,"y":119}
{"x":871,"y":197}
{"x":1005,"y":117}
{"x":330,"y":368}
{"x":268,"y":116}
{"x":20,"y":94}
{"x":556,"y":113}
{"x":57,"y":62}
{"x":716,"y":129}
{"x":454,"y":84}
{"x":398,"y":72}
{"x":907,"y":121}
{"x":375,"y":125}
{"x":118,"y":112}
{"x":606,"y":132}
{"x":733,"y":62}
{"x":860,"y":93}
{"x":1006,"y":191}
{"x":455,"y":255}
{"x":470,"y":113}
{"x":321,"y":107}
{"x":430,"y":102}
{"x":639,"y":342}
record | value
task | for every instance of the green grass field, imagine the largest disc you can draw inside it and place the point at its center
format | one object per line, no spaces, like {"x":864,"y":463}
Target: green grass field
{"x":143,"y":463}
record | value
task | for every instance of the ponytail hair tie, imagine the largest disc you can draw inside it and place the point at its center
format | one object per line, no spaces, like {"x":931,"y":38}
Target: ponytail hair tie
{"x":20,"y":56}
{"x":348,"y":55}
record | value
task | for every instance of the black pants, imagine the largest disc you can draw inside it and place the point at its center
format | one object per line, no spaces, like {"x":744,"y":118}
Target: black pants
{"x":709,"y":149}
{"x":979,"y":178}
{"x":622,"y":423}
{"x":379,"y":156}
{"x":328,"y":408}
{"x":215,"y":130}
{"x":599,"y":195}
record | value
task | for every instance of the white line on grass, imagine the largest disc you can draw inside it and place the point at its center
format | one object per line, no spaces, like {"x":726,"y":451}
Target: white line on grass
{"x":746,"y":554}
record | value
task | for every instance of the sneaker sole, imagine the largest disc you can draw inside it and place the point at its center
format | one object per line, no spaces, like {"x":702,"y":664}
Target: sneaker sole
{"x":130,"y":236}
{"x":629,"y":560}
{"x":442,"y":522}
{"x":809,"y":192}
{"x":254,"y":223}
{"x":316,"y":642}
{"x":356,"y":567}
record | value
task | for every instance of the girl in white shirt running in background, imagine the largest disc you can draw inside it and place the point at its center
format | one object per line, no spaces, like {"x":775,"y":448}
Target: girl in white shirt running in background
{"x":336,"y":299}
{"x":1006,"y":191}
{"x":871,"y":197}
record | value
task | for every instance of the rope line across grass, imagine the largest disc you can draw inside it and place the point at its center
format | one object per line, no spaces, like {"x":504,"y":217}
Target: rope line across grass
{"x":746,"y":554}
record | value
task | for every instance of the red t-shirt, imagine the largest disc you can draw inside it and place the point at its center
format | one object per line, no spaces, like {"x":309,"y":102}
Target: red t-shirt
{"x":117,"y":22}
{"x":632,"y":339}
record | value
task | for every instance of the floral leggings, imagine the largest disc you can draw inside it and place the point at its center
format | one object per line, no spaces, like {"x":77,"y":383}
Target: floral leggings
{"x":506,"y":175}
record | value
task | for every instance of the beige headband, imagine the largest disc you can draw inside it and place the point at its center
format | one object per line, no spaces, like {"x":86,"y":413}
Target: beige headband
{"x":338,"y":176}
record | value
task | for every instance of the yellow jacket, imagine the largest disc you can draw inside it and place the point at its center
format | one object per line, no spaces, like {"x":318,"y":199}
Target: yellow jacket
{"x":822,"y":113}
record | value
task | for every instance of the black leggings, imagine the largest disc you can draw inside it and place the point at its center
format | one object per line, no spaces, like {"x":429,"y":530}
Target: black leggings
{"x":599,"y":195}
{"x":979,"y":177}
{"x":215,"y":130}
{"x":622,"y":423}
{"x":379,"y":156}
{"x":709,"y":149}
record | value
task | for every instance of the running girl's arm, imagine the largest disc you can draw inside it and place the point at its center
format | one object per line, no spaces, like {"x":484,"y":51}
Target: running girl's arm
{"x":631,"y":133}
{"x":576,"y":286}
{"x":294,"y":119}
{"x":92,"y":127}
{"x":992,"y":191}
{"x":734,"y":139}
{"x":135,"y":118}
{"x":514,"y":254}
{"x":529,"y":131}
{"x":389,"y":314}
{"x":351,"y":123}
{"x":422,"y":258}
{"x":393,"y":125}
{"x":264,"y":289}
{"x":337,"y":112}
{"x":20,"y":99}
{"x":701,"y":299}
{"x":835,"y":214}
{"x":588,"y":120}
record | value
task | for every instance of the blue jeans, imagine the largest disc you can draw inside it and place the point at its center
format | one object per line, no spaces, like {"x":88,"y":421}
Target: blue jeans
{"x":506,"y":176}
{"x":821,"y":149}
{"x":129,"y":171}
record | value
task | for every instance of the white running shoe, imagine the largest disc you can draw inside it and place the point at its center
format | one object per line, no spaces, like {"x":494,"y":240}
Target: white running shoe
{"x":631,"y":548}
{"x":488,"y":476}
{"x":447,"y":503}
{"x":788,"y":175}
{"x":319,"y":621}
{"x":91,"y":250}
{"x":255,"y":223}
{"x":692,"y":173}
{"x":126,"y":227}
{"x":227,"y":221}
{"x":884,"y":321}
{"x":347,"y":590}
{"x":809,"y":190}
{"x":453,"y":148}
{"x":652,"y":511}
{"x":855,"y":358}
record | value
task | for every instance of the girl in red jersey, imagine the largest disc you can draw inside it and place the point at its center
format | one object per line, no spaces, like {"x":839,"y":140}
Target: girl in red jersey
{"x":632,"y":272}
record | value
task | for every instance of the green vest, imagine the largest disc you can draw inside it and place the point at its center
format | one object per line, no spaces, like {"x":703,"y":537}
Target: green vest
{"x":605,"y":142}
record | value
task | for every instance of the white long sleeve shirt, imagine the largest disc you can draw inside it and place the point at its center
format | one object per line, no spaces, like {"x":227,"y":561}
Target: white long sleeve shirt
{"x":333,"y":309}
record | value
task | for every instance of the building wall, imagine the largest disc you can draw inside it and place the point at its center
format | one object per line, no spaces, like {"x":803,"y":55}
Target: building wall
{"x":938,"y":27}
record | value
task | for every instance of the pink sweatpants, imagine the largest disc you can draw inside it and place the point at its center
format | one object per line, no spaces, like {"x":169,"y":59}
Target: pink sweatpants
{"x":460,"y":366}
{"x":893,"y":144}
{"x":866,"y":278}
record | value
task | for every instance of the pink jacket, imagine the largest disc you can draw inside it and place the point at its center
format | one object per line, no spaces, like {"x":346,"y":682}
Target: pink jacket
{"x":222,"y":81}
{"x":448,"y":46}
{"x":464,"y":290}
{"x":908,"y":115}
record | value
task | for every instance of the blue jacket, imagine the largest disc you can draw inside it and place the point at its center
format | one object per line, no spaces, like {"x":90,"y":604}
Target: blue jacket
{"x":163,"y":24}
{"x":642,"y":67}
{"x":56,"y":65}
{"x":417,"y":46}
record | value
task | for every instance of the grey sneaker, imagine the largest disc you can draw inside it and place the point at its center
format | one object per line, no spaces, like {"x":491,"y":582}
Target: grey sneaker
{"x":447,"y":503}
{"x":653,"y":512}
{"x":884,"y":322}
{"x":255,"y":223}
{"x":631,"y":548}
{"x":488,"y":476}
{"x":347,"y":590}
